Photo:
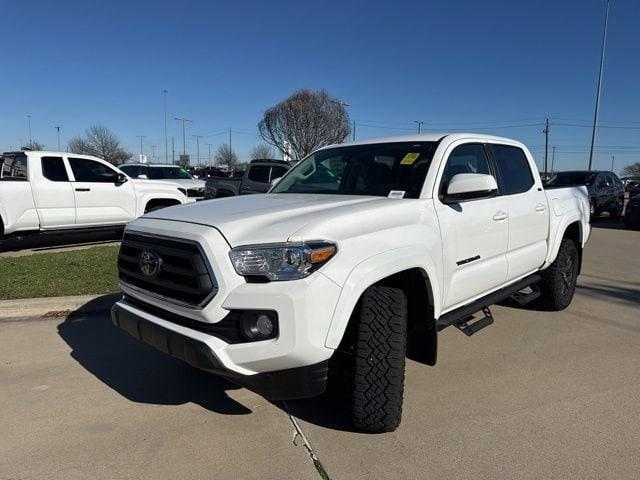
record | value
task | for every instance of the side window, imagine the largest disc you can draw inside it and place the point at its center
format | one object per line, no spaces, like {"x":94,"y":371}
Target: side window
{"x":259,"y":173}
{"x":277,"y":172}
{"x":53,"y":169}
{"x":469,"y":158}
{"x":13,"y":168}
{"x":601,"y":182}
{"x":513,"y":168}
{"x":91,"y":171}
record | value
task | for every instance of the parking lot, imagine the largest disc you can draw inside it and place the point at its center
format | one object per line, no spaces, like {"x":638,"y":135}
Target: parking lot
{"x":536,"y":395}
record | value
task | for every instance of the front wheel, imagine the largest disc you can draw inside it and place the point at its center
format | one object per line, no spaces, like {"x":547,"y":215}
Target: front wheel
{"x":379,"y":359}
{"x":558,"y":282}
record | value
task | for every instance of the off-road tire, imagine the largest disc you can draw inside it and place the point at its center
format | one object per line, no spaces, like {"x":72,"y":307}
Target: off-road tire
{"x":558,"y":282}
{"x":379,"y":359}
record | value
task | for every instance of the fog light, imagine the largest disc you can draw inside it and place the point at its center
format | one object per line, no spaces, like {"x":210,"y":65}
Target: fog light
{"x":256,"y":325}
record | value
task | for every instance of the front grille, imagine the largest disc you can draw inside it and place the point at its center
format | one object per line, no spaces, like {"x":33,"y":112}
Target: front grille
{"x":195,"y":192}
{"x":182,"y":274}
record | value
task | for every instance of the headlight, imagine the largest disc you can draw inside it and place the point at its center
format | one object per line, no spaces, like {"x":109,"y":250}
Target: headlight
{"x":282,"y":261}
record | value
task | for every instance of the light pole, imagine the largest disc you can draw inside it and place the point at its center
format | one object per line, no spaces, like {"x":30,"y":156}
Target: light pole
{"x":58,"y":129}
{"x":599,"y":87}
{"x":29,"y":120}
{"x":198,"y":137}
{"x":613,"y":161}
{"x":184,"y":138}
{"x":141,"y":149}
{"x":166,"y":137}
{"x":420,"y":123}
{"x":553,"y":157}
{"x":209,"y":157}
{"x":153,"y":153}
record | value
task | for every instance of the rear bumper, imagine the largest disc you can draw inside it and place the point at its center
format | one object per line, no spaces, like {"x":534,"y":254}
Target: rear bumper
{"x":292,"y":383}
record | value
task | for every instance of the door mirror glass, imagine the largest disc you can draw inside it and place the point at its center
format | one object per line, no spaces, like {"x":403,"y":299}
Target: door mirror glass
{"x":120,"y":178}
{"x":470,"y":186}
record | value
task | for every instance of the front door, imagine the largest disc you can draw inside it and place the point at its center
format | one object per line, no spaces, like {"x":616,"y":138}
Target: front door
{"x":474,"y":232}
{"x":100,"y":199}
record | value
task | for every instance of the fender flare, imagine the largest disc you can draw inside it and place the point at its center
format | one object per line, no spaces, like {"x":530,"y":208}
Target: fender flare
{"x":554,"y":247}
{"x":147,"y":197}
{"x":373,"y":270}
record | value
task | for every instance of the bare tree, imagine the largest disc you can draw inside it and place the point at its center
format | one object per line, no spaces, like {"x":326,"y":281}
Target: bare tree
{"x":100,"y":142}
{"x":632,"y":170}
{"x":34,"y":145}
{"x":307,"y":120}
{"x":261,"y":151}
{"x":225,"y":156}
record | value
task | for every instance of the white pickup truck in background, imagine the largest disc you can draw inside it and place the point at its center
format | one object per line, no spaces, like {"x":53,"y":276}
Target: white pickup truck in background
{"x":359,"y":255}
{"x":48,"y":191}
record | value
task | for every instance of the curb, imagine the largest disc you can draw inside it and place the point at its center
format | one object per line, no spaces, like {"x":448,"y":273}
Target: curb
{"x":56,"y":306}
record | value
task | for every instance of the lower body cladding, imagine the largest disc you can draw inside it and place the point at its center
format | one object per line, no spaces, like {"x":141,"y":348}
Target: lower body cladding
{"x":294,"y":364}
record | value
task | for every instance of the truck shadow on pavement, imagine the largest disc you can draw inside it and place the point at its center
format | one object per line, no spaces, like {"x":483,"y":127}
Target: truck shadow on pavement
{"x":137,"y":371}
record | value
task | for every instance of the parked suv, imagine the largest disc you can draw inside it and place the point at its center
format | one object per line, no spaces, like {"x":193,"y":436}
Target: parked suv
{"x":257,"y":178}
{"x":606,"y":192}
{"x":191,"y":187}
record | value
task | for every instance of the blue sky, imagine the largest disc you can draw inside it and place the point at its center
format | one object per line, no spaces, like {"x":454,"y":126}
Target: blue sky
{"x":497,"y":65}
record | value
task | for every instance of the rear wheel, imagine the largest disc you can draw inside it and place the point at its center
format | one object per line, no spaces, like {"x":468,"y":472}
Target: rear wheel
{"x":617,"y":211}
{"x":379,"y":359}
{"x":558,"y":282}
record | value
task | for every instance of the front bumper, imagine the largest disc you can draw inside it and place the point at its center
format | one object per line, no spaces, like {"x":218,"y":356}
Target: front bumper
{"x":300,"y":382}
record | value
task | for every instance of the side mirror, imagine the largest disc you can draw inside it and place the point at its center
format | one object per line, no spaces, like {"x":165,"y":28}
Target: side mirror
{"x":142,"y":176}
{"x":470,"y":186}
{"x":275,"y":181}
{"x":120,"y":178}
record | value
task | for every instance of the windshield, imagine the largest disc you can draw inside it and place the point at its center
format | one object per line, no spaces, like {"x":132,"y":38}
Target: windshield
{"x":173,"y":173}
{"x":383,"y":169}
{"x":571,"y":178}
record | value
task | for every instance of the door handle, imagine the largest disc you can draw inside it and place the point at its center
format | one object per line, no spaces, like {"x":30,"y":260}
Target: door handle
{"x":540,"y":207}
{"x":500,"y":216}
{"x":83,"y":189}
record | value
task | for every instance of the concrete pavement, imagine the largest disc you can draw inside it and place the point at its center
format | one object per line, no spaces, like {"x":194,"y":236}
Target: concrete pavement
{"x":535,"y":395}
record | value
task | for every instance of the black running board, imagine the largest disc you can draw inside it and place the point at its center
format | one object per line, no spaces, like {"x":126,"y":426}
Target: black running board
{"x":463,"y":314}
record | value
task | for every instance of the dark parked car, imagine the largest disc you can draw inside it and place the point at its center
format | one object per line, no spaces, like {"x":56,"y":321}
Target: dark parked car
{"x":257,"y":178}
{"x":632,"y":213}
{"x":606,"y":192}
{"x":631,"y":183}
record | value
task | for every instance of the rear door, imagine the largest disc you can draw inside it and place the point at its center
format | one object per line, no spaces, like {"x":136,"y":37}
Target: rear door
{"x":55,"y":199}
{"x":527,"y":207}
{"x":474,"y":232}
{"x":100,"y":199}
{"x":257,"y":179}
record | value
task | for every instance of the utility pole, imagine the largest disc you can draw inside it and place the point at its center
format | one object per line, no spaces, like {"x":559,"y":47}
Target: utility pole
{"x":198,"y":137}
{"x":553,"y":157}
{"x":354,"y":130}
{"x":141,"y":137}
{"x":546,"y":143}
{"x":230,"y":143}
{"x":153,"y":153}
{"x":184,"y":138}
{"x":209,"y":157}
{"x":613,"y":161}
{"x":599,"y":87}
{"x":166,"y":137}
{"x":420,"y":123}
{"x":173,"y":150}
{"x":29,"y":120}
{"x":58,"y":129}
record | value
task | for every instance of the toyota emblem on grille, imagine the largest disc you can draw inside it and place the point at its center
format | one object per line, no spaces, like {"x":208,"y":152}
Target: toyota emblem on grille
{"x":150,"y":263}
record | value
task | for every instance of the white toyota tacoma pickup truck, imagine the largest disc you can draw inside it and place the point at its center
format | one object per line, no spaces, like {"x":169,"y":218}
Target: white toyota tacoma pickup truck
{"x":49,"y":191}
{"x":357,"y":257}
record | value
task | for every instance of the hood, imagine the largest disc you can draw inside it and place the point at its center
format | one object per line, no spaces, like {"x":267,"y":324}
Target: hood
{"x":269,"y":218}
{"x":186,"y":182}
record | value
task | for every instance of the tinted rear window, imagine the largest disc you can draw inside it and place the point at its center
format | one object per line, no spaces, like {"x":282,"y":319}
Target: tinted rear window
{"x":513,"y":167}
{"x":53,"y":169}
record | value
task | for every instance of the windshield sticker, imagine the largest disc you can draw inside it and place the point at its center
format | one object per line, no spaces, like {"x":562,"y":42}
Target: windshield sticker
{"x":396,"y":194}
{"x":409,"y":158}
